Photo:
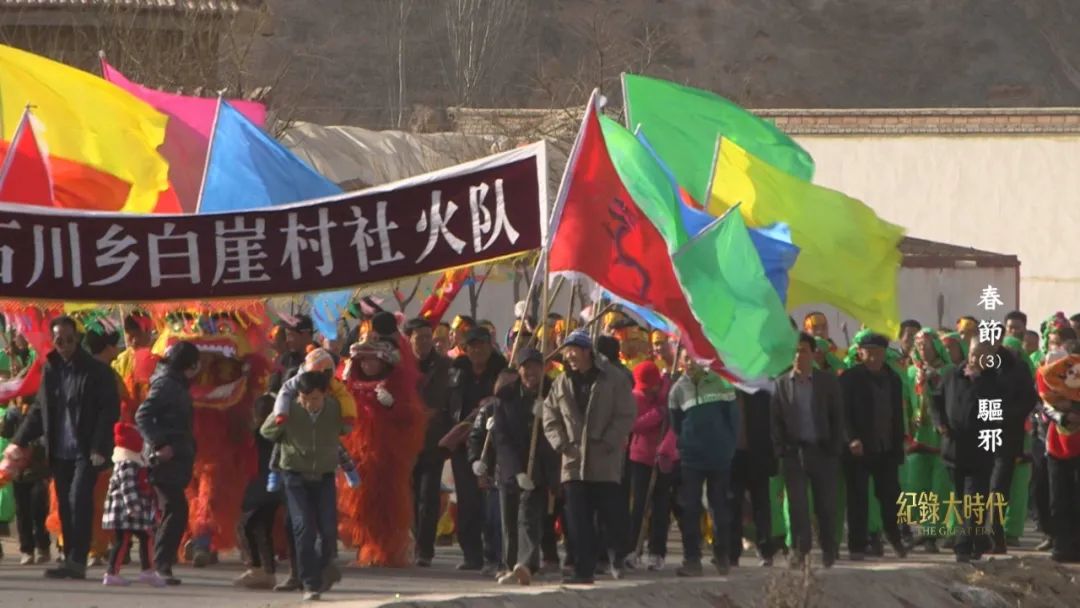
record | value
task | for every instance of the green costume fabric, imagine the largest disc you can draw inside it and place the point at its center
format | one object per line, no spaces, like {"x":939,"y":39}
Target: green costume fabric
{"x":7,"y":493}
{"x":1019,"y":493}
{"x":832,"y":362}
{"x":1017,"y":347}
{"x":778,"y":504}
{"x":925,"y":471}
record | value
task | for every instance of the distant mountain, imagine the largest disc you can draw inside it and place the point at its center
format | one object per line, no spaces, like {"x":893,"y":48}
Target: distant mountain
{"x":761,"y":53}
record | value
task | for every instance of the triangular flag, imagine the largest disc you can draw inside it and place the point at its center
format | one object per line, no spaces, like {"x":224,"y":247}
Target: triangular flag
{"x":25,"y":176}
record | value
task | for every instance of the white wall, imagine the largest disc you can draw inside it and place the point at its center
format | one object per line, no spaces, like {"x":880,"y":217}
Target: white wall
{"x":1009,"y":194}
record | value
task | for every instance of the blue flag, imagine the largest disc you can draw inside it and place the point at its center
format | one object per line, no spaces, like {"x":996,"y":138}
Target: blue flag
{"x":249,"y":169}
{"x":773,"y":243}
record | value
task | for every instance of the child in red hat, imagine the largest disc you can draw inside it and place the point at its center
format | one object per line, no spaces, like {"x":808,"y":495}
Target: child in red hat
{"x":130,"y":506}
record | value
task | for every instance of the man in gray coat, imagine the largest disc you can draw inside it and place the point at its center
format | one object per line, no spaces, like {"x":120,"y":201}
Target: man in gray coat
{"x":588,"y":416}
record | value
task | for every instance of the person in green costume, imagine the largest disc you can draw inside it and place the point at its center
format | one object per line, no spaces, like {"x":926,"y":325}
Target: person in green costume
{"x":926,"y":474}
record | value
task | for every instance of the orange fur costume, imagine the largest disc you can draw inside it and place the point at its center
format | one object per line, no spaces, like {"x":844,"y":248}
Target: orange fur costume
{"x":377,"y":517}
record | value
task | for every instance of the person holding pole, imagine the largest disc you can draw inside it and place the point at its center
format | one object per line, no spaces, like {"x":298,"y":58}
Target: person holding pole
{"x":650,"y":484}
{"x":526,"y":466}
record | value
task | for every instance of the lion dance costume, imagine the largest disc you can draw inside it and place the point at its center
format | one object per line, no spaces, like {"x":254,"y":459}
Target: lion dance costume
{"x":233,"y":373}
{"x":387,"y":437}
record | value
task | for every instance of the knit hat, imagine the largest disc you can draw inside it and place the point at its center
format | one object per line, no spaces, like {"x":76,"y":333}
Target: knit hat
{"x":126,"y":436}
{"x":646,"y":375}
{"x":578,"y":338}
{"x":384,"y":323}
{"x":318,"y":360}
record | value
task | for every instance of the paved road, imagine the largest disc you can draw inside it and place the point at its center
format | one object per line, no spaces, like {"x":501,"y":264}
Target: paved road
{"x":24,"y":586}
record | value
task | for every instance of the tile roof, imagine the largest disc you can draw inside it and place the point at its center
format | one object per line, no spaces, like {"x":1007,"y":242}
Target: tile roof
{"x":921,"y":253}
{"x":928,"y":121}
{"x":204,"y":6}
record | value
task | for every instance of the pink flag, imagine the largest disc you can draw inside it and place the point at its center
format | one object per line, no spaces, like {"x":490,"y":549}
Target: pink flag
{"x":187,"y":136}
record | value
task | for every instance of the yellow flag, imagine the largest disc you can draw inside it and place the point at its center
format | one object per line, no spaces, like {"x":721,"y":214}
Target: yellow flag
{"x":87,"y":121}
{"x":848,"y":255}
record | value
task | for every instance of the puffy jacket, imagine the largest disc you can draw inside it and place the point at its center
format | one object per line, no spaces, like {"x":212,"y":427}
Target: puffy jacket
{"x":166,"y":419}
{"x":309,"y":445}
{"x":649,"y":428}
{"x":706,"y":421}
{"x":591,"y":437}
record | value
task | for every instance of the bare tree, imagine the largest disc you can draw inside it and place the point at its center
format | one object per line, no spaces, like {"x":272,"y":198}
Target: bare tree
{"x":480,"y":35}
{"x":403,"y":300}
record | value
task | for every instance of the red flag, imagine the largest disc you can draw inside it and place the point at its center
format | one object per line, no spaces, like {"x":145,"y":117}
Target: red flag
{"x":25,"y":176}
{"x":446,"y":289}
{"x":602,"y":234}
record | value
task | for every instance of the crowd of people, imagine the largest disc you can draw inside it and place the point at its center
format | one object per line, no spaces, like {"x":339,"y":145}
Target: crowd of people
{"x":598,"y":436}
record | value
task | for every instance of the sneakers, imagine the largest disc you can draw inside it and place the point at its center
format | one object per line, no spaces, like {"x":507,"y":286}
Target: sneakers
{"x":27,"y":559}
{"x":489,"y":570}
{"x":632,"y":561}
{"x":423,"y":562}
{"x":201,"y":558}
{"x":152,"y":578}
{"x":255,"y":579}
{"x":766,"y":562}
{"x":312,"y":596}
{"x":44,"y":556}
{"x":690,"y":569}
{"x":519,"y":576}
{"x":114,"y":580}
{"x":95,"y":561}
{"x":654,"y":563}
{"x":1046,"y":544}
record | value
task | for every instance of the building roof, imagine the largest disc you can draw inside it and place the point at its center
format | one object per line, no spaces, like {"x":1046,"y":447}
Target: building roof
{"x":921,"y":253}
{"x":930,"y":121}
{"x":201,"y":6}
{"x":872,"y":121}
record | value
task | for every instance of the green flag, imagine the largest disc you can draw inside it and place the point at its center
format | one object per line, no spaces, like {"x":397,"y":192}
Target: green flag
{"x":683,"y":124}
{"x":721,"y":273}
{"x":740,"y":312}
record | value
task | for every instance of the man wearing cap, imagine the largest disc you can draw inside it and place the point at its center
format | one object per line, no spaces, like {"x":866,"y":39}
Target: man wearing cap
{"x":298,"y":336}
{"x":427,"y":475}
{"x":526,"y":468}
{"x":588,"y":416}
{"x":808,"y":434}
{"x":873,"y":400}
{"x":472,"y":381}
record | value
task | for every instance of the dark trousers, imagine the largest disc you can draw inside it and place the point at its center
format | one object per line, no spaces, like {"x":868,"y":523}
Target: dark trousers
{"x":470,"y":509}
{"x":313,"y":511}
{"x":857,"y":473}
{"x":743,"y":481}
{"x":257,"y":524}
{"x":524,"y":515}
{"x":810,"y":466}
{"x":549,"y":543}
{"x":1040,"y":486}
{"x":658,"y":505}
{"x":1065,"y":505}
{"x":173,"y":505}
{"x":970,"y":539}
{"x":585,"y":502}
{"x":1000,"y":483}
{"x":31,"y":508}
{"x":492,"y":534}
{"x":122,"y":546}
{"x":75,"y":481}
{"x":716,"y":486}
{"x":427,"y":490}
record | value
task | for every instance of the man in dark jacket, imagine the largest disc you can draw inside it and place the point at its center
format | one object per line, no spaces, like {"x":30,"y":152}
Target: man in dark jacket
{"x":523,"y":489}
{"x":751,"y":469}
{"x":427,"y":475}
{"x":956,"y":414}
{"x":472,"y":380}
{"x":705,"y":419}
{"x":873,"y":399}
{"x":74,"y":413}
{"x":1018,"y":400}
{"x":166,"y":421}
{"x":808,"y":434}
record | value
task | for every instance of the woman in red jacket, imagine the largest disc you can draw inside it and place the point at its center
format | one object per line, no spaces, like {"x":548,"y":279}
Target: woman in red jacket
{"x":652,"y":460}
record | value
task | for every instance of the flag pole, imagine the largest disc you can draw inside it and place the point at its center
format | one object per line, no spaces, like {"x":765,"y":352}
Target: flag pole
{"x":101,"y":63}
{"x":209,"y":152}
{"x":9,"y":158}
